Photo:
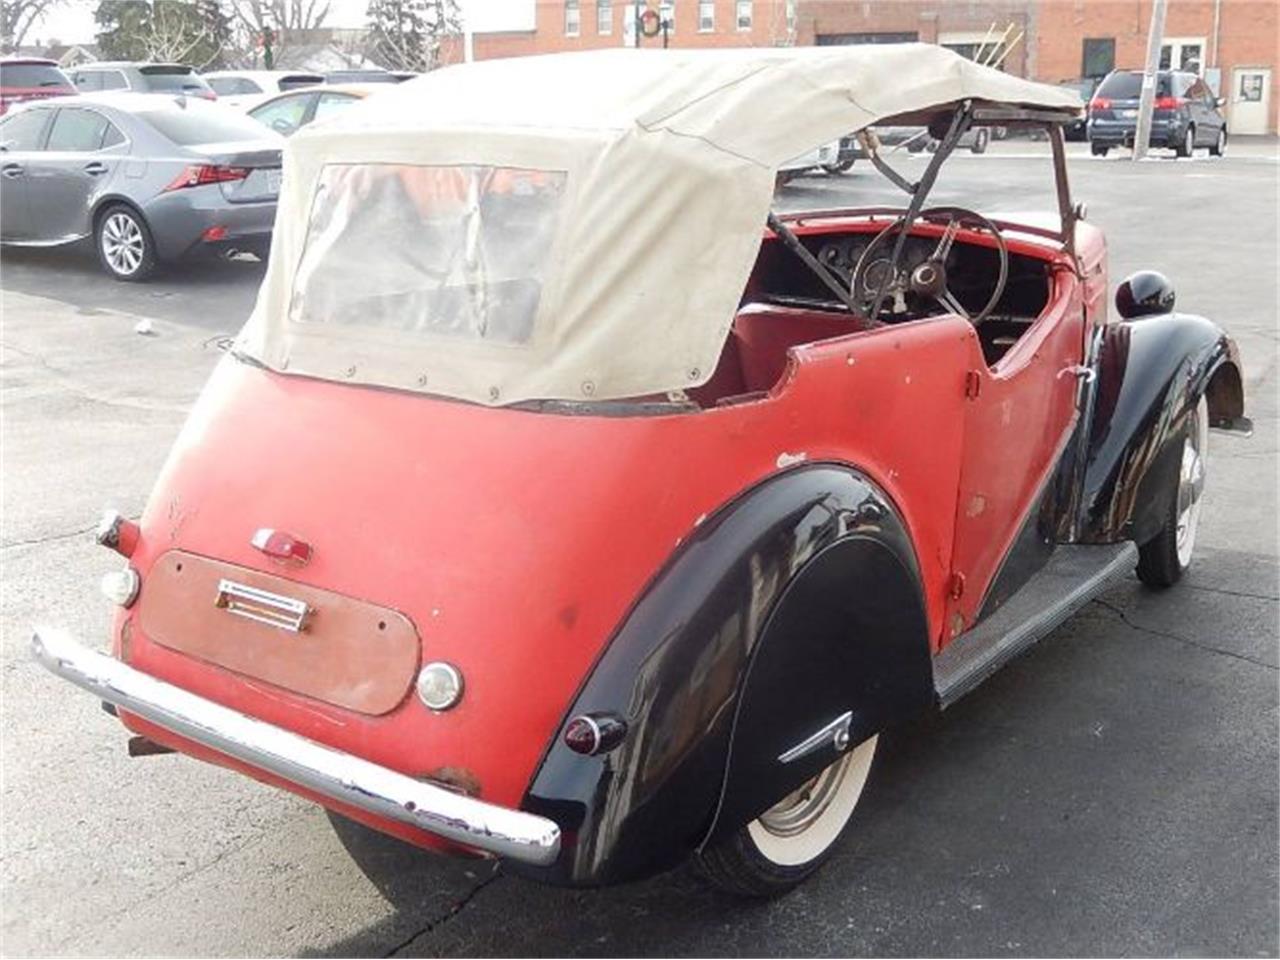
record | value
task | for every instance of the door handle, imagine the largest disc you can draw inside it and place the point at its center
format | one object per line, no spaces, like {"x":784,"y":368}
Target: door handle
{"x":95,"y":168}
{"x":1082,"y":373}
{"x":12,"y":170}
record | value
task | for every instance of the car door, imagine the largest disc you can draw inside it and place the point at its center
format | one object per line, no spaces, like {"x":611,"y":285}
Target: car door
{"x":1188,"y":89}
{"x":1020,"y":413}
{"x":1213,"y":119}
{"x":22,"y":134}
{"x":81,"y":156}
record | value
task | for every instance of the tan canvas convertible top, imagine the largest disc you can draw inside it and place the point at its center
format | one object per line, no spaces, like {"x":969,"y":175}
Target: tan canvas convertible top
{"x":576,"y":226}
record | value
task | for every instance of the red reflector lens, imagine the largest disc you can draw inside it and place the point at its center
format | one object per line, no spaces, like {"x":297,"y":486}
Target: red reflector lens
{"x":280,"y":545}
{"x":1099,"y":103}
{"x":592,"y":733}
{"x":214,"y":233}
{"x":198,"y":176}
{"x":1169,"y":103}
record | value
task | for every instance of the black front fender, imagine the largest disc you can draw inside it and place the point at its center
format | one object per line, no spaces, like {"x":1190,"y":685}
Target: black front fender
{"x":677,"y":667}
{"x":1151,"y":373}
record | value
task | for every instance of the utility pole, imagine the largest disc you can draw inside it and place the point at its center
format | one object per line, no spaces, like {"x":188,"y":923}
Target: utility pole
{"x":1147,"y":103}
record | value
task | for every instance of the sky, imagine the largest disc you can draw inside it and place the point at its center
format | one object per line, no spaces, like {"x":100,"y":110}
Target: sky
{"x":73,"y":21}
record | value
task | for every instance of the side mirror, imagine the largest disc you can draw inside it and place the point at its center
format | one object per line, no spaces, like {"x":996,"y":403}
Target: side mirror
{"x":1144,"y":294}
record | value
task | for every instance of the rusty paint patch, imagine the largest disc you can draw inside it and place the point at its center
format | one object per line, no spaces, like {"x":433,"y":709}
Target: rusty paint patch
{"x":458,"y":779}
{"x":976,"y":507}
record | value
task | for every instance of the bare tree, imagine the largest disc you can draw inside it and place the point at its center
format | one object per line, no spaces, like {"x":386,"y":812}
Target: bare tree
{"x":172,"y":36}
{"x":252,"y":19}
{"x":406,"y":34}
{"x":17,"y":17}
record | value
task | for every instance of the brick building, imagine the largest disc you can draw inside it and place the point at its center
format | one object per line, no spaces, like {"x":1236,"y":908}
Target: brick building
{"x":1234,"y":43}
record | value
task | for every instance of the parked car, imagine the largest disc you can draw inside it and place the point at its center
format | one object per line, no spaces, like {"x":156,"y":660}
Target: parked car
{"x":1077,"y":130}
{"x":30,"y":78}
{"x":562,"y":501}
{"x":363,"y":76}
{"x":290,"y":112}
{"x":121,"y":76}
{"x":825,"y":157}
{"x":244,"y":88}
{"x":149,"y":178}
{"x":1186,"y":113}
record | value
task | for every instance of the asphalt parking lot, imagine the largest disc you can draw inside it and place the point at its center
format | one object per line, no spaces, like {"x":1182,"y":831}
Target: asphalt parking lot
{"x":1114,"y":792}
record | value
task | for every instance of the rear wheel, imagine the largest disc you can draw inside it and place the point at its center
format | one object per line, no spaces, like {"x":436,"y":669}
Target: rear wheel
{"x":980,"y":140}
{"x":840,"y":166}
{"x":124,"y":243}
{"x":1188,"y":145}
{"x":1099,"y":150}
{"x":790,"y":840}
{"x":1220,"y":145}
{"x":1165,"y":558}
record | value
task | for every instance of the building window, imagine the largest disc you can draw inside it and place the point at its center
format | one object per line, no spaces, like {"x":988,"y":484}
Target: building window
{"x":1182,"y":53}
{"x":791,"y":16}
{"x":744,"y":14}
{"x":667,"y":11}
{"x":1098,"y":57}
{"x":840,"y":39}
{"x":604,"y":17}
{"x":572,"y":18}
{"x":706,"y":16}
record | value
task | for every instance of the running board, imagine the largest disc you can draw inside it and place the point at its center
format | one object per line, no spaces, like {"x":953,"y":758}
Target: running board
{"x":1073,"y":576}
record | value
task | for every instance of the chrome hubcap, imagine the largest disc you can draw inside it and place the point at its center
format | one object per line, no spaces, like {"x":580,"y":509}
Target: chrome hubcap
{"x":798,"y":810}
{"x":1191,"y":484}
{"x":122,"y":243}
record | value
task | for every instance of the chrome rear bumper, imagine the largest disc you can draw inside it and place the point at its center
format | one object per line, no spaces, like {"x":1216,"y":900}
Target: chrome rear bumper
{"x":331,"y":773}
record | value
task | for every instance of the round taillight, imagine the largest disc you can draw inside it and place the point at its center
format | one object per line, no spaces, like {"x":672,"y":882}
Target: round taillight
{"x":439,"y":685}
{"x":592,"y":733}
{"x":122,"y":586}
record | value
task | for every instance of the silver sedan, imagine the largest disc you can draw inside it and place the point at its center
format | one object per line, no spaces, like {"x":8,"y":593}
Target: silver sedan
{"x":149,"y":178}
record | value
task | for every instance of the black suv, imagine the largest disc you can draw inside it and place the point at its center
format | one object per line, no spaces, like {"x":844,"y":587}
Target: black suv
{"x":1186,"y":114}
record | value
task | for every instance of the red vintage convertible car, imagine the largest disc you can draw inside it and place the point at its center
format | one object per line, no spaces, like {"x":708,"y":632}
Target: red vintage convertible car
{"x":563,"y":502}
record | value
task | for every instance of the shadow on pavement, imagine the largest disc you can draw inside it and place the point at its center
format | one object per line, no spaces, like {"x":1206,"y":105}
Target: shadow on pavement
{"x":224,"y":290}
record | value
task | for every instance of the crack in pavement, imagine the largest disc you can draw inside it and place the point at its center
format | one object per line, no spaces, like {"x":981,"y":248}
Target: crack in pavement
{"x":1124,"y":617}
{"x":35,"y":541}
{"x":449,"y":914}
{"x":58,"y":948}
{"x":66,"y":380}
{"x":1233,"y":593}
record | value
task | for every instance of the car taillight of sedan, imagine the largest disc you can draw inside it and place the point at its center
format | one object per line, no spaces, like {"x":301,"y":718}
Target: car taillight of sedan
{"x":198,"y":175}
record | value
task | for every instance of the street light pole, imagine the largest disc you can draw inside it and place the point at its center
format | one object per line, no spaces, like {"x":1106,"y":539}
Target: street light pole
{"x":1146,"y":104}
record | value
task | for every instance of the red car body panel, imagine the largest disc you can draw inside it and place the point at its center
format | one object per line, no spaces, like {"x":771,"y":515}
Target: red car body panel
{"x":516,"y":541}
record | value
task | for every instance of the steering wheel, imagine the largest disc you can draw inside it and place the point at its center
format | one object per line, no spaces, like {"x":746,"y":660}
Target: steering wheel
{"x":883,"y":278}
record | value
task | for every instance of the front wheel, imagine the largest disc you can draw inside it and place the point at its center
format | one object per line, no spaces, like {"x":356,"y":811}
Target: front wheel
{"x":789,"y":841}
{"x":1099,"y":150}
{"x":1219,"y":145}
{"x":840,"y":166}
{"x":1165,"y":558}
{"x":124,"y":243}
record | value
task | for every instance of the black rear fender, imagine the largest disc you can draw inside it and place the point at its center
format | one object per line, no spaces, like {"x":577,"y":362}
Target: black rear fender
{"x":771,"y":615}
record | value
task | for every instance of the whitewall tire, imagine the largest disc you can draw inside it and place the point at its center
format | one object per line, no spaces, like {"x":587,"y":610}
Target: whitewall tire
{"x":788,"y":842}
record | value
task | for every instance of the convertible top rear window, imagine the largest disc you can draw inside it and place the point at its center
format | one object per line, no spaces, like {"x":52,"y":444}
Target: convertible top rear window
{"x":449,"y":250}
